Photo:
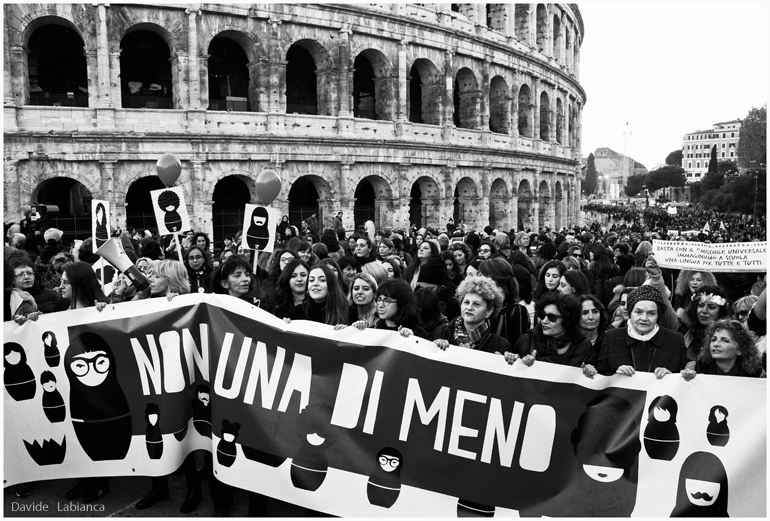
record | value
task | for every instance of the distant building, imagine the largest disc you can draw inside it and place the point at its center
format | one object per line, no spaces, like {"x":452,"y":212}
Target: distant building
{"x":613,"y":170}
{"x":696,"y":148}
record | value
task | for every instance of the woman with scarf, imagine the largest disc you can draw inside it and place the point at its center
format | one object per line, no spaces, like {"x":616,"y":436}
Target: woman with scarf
{"x":199,"y":268}
{"x":480,"y":298}
{"x":557,"y":339}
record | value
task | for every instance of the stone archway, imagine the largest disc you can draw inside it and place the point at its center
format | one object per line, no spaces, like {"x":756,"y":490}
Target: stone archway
{"x":74,"y":202}
{"x":544,"y":203}
{"x":466,"y":202}
{"x":139,"y":209}
{"x":424,"y":202}
{"x":498,"y":205}
{"x":558,"y":200}
{"x":526,"y":215}
{"x":231,"y":194}
{"x":309,"y":194}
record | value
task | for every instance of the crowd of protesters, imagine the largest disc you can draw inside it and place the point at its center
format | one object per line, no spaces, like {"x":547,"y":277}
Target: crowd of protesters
{"x":579,"y":296}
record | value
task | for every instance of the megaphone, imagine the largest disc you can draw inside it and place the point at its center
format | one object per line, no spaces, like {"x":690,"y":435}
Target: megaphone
{"x":112,"y":251}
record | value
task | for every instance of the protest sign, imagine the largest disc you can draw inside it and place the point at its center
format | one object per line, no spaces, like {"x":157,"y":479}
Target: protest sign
{"x":725,"y":256}
{"x":259,"y":228}
{"x":368,"y":423}
{"x":170,"y":210}
{"x":100,"y":225}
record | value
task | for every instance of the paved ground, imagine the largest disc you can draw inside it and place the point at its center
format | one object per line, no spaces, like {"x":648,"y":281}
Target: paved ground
{"x":123,"y":494}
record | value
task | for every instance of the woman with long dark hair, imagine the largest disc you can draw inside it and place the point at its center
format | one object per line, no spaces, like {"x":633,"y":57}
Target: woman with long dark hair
{"x":603,"y":269}
{"x":234,"y":278}
{"x":512,"y":321}
{"x":707,"y":305}
{"x":324,"y":302}
{"x":397,"y":309}
{"x":292,"y":287}
{"x":548,"y":279}
{"x":594,"y":320}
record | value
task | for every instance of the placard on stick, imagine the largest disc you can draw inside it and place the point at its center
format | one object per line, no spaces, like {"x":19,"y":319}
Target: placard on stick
{"x":259,"y":224}
{"x":170,"y":210}
{"x":100,"y":222}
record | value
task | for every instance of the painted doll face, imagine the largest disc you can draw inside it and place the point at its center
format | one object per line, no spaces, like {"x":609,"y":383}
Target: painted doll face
{"x":91,"y":368}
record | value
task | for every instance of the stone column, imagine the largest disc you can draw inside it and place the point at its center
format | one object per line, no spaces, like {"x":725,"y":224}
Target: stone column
{"x":347,"y":201}
{"x":197,"y":178}
{"x":103,"y":58}
{"x":552,"y":114}
{"x":108,"y":184}
{"x":179,"y":80}
{"x":92,"y":72}
{"x":12,"y":193}
{"x":533,"y":26}
{"x":345,"y":73}
{"x":513,"y":129}
{"x":484,"y":96}
{"x":401,"y":211}
{"x":579,"y":131}
{"x":403,"y":83}
{"x":535,"y":107}
{"x":483,"y":211}
{"x":513,"y":208}
{"x":446,"y":205}
{"x":448,"y":95}
{"x":19,"y":74}
{"x":116,"y":95}
{"x":193,"y":63}
{"x":9,"y":104}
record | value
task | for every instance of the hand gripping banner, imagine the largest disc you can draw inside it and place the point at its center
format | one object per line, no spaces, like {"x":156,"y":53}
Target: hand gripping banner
{"x":367,"y":423}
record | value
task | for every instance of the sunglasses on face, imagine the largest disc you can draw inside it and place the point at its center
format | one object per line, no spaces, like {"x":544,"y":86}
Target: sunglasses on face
{"x":577,"y":254}
{"x":552,"y":317}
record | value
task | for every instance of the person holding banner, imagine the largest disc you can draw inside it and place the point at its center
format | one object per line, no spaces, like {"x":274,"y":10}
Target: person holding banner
{"x":397,"y":309}
{"x":643,"y":345}
{"x":325,"y":300}
{"x":480,"y":298}
{"x":291,"y":287}
{"x":707,"y":305}
{"x":234,"y":278}
{"x":729,"y":349}
{"x":557,"y":339}
{"x":362,"y":311}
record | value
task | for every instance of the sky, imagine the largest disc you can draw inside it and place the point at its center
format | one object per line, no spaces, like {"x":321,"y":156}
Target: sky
{"x":668,"y":69}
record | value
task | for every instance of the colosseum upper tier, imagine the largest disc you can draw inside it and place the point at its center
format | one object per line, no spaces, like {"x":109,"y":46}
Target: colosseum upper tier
{"x":399,"y":113}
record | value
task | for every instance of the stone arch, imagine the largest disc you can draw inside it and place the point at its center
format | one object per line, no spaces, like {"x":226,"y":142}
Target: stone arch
{"x":526,"y":215}
{"x":228,"y":76}
{"x":499,"y":106}
{"x":373,"y":201}
{"x":146,"y":63}
{"x":467,"y":99}
{"x":174,"y":45}
{"x":138,"y":203}
{"x":232,"y":191}
{"x":425,"y":92}
{"x":541,"y":33}
{"x":558,"y":196}
{"x":557,"y":37}
{"x":299,"y":209}
{"x":545,"y":116}
{"x":59,"y":14}
{"x":374,"y":87}
{"x":559,"y":121}
{"x":239,"y":35}
{"x":424,"y":204}
{"x":526,"y":121}
{"x":73,"y":199}
{"x":544,"y":203}
{"x":498,"y":205}
{"x":465,"y":207}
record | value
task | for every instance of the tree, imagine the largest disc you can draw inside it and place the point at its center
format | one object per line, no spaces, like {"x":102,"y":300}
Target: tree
{"x":752,"y":143}
{"x":713,"y":181}
{"x":713,"y":159}
{"x":728,"y":167}
{"x":634,"y":184}
{"x":589,"y":185}
{"x":665,"y":177}
{"x":674,"y":158}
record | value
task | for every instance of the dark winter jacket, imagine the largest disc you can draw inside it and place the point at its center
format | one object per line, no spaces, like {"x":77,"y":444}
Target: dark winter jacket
{"x":579,"y":352}
{"x":665,"y":349}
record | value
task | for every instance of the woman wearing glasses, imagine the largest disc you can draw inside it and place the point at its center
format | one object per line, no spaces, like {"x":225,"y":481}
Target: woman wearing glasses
{"x":199,"y":268}
{"x":397,"y":309}
{"x":729,"y":349}
{"x":557,"y":339}
{"x":742,"y":307}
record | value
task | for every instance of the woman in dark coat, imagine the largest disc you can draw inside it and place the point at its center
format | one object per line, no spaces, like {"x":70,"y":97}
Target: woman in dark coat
{"x":199,"y":269}
{"x":557,"y":339}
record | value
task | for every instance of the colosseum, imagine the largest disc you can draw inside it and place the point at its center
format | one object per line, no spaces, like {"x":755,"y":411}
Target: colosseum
{"x":399,"y":113}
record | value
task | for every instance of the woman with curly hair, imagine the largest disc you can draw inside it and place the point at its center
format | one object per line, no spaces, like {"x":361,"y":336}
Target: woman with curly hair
{"x":707,"y":305}
{"x":687,"y":283}
{"x":557,"y":339}
{"x":729,"y":349}
{"x":548,"y":279}
{"x":480,"y":298}
{"x":462,"y":254}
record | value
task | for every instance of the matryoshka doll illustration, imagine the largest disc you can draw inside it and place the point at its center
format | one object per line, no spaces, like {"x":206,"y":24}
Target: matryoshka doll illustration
{"x":53,"y":403}
{"x":316,"y":434}
{"x":153,"y":437}
{"x":661,"y":436}
{"x":226,"y":449}
{"x":51,"y":349}
{"x":202,"y":410}
{"x":718,"y":432}
{"x":98,"y":406}
{"x":258,"y":233}
{"x":18,"y":377}
{"x":384,"y":485}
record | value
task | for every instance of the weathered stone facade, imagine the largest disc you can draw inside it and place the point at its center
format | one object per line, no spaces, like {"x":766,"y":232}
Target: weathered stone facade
{"x":492,"y":134}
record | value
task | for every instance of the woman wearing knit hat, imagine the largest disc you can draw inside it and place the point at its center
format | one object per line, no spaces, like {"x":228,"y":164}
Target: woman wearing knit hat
{"x":642,"y":345}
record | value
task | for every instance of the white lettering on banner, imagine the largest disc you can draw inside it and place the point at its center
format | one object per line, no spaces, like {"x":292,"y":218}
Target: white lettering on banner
{"x":268,"y":384}
{"x":374,"y":402}
{"x":495,"y":430}
{"x":538,"y":438}
{"x":350,"y":396}
{"x":240,"y":368}
{"x":438,"y":408}
{"x":725,"y":257}
{"x":458,"y":429}
{"x":299,"y":380}
{"x":170,"y":372}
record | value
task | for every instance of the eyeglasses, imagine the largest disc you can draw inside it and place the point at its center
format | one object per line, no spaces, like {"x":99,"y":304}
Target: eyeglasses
{"x":195,"y":257}
{"x":101,"y":365}
{"x":552,"y":317}
{"x":385,"y":301}
{"x":27,"y":273}
{"x":391,"y":462}
{"x":577,"y":254}
{"x":485,"y":250}
{"x":743,"y":314}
